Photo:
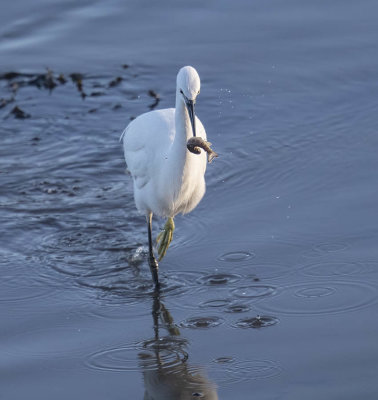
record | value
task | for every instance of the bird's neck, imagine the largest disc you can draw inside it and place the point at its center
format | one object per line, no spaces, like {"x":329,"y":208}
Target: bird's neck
{"x":183,"y":125}
{"x":178,"y":160}
{"x":183,"y":131}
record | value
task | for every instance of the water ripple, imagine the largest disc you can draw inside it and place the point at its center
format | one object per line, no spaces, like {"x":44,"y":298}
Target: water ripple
{"x":259,"y":258}
{"x":236,"y":256}
{"x":318,"y":298}
{"x":219,"y":279}
{"x":127,"y":358}
{"x":23,"y":288}
{"x":18,"y":286}
{"x":323,"y":249}
{"x":340,"y":269}
{"x":237,"y":308}
{"x":315,"y":291}
{"x":215,"y":303}
{"x":227,"y":305}
{"x":59,"y":342}
{"x":125,"y":288}
{"x":262,"y":321}
{"x":201,"y":322}
{"x":88,"y":251}
{"x":269,"y":270}
{"x":331,"y":247}
{"x":233,"y":371}
{"x":254,"y":291}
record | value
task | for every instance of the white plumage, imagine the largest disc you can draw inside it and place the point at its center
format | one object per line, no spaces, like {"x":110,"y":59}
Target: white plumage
{"x":168,"y":179}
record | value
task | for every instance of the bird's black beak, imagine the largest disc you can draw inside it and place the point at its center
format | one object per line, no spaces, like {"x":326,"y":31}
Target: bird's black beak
{"x":190,"y":107}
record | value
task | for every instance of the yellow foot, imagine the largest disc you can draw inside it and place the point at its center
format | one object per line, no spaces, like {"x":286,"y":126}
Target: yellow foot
{"x":164,"y":238}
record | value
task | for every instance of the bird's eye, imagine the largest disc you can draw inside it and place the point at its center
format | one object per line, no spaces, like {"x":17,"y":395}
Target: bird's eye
{"x":181,"y":91}
{"x":198,"y":92}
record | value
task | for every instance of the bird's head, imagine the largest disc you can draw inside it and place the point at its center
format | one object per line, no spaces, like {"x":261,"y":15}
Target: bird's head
{"x":188,"y":88}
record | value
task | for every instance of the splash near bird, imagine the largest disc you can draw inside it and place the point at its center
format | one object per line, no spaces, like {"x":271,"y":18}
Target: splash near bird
{"x":162,"y":153}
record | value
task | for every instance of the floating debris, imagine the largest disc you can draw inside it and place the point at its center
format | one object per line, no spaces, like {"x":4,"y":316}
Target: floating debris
{"x":96,"y":94}
{"x":51,"y":191}
{"x":35,"y":140}
{"x":44,"y":80}
{"x":5,"y":102}
{"x":13,"y":75}
{"x":154,"y":95}
{"x":61,"y":79}
{"x":18,"y":113}
{"x":18,"y":79}
{"x":77,"y":78}
{"x":116,"y":81}
{"x":49,"y":80}
{"x":14,"y":87}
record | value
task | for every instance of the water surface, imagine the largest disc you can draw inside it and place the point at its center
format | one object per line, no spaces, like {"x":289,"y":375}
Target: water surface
{"x":270,"y":286}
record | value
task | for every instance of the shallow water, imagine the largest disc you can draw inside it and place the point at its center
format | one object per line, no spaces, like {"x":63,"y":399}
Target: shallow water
{"x":270,"y":287}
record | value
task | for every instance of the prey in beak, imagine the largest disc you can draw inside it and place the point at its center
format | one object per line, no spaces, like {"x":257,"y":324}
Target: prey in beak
{"x":195,"y":144}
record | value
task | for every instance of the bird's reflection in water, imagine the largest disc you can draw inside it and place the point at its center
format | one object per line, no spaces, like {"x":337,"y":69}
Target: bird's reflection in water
{"x":166,"y":372}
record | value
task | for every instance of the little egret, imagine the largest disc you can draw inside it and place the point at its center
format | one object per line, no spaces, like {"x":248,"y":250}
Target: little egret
{"x":168,"y":179}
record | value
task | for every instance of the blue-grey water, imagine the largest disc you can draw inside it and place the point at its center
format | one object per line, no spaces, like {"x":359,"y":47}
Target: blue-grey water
{"x":270,"y":287}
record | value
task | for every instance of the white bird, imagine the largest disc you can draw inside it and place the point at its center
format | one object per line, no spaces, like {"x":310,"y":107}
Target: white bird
{"x":168,"y":179}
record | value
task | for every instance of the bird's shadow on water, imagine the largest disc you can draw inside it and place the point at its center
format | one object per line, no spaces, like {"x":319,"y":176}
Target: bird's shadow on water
{"x":164,"y":361}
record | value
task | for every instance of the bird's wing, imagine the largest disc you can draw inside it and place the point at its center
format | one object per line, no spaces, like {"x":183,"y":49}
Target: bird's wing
{"x":144,"y":141}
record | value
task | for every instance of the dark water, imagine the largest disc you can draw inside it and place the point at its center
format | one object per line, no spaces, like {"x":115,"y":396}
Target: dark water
{"x":270,"y":288}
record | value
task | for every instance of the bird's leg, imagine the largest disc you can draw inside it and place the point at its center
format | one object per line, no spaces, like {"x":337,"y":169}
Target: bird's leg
{"x":165,"y":237}
{"x":154,"y":267}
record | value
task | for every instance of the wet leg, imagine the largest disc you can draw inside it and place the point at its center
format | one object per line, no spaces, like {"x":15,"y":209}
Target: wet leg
{"x":154,"y":267}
